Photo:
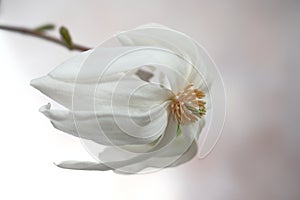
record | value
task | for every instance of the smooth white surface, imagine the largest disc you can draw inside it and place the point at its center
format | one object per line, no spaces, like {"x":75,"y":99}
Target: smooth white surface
{"x":255,"y":44}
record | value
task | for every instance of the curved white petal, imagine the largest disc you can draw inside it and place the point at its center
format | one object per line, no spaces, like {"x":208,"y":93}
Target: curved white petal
{"x":180,"y":150}
{"x":170,"y":154}
{"x":164,"y":141}
{"x":91,"y":97}
{"x":83,"y":165}
{"x":111,"y":128}
{"x":161,"y":162}
{"x":181,"y":44}
{"x":68,"y":70}
{"x":155,"y":162}
{"x":98,"y":75}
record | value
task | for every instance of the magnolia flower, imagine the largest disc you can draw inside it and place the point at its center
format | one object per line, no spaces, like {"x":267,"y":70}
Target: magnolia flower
{"x":127,"y":123}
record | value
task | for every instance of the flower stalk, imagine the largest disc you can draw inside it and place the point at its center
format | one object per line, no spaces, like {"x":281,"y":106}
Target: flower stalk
{"x":41,"y":34}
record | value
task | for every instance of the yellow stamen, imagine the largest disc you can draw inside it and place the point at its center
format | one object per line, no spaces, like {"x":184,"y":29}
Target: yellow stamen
{"x":188,"y":106}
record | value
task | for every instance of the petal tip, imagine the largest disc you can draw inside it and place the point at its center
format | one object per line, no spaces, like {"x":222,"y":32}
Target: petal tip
{"x":37,"y":83}
{"x":45,"y":108}
{"x":60,"y":165}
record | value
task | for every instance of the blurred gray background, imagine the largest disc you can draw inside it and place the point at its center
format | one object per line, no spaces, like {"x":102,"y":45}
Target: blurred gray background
{"x":256,"y":46}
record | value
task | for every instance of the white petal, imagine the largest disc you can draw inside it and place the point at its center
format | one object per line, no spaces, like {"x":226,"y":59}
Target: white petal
{"x":186,"y":156}
{"x":154,"y":162}
{"x":68,"y":70}
{"x":130,"y":111}
{"x":109,"y":128}
{"x":179,"y":43}
{"x":164,"y":141}
{"x":161,"y":162}
{"x":169,"y":154}
{"x":76,"y":165}
{"x":94,"y":80}
{"x":133,"y":57}
{"x":180,"y":150}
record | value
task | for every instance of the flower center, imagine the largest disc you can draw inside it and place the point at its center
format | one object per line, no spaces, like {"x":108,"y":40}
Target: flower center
{"x":188,"y":106}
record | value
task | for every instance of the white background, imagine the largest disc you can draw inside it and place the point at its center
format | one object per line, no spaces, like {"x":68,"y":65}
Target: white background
{"x":254,"y":43}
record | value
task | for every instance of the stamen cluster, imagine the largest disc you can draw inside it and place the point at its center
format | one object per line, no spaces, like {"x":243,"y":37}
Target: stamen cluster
{"x":188,"y":106}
